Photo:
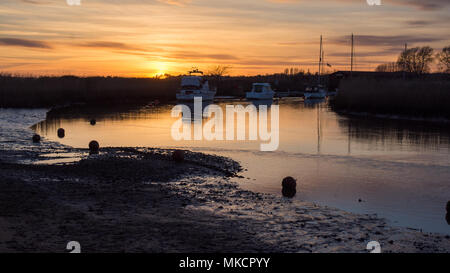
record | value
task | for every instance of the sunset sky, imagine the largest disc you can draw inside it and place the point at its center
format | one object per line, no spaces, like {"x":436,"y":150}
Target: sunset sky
{"x":148,"y":37}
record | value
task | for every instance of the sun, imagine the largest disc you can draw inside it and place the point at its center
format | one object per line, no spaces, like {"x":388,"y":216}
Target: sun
{"x":160,"y":68}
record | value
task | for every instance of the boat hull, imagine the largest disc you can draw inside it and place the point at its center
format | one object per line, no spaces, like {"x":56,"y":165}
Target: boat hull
{"x":206,"y":96}
{"x":315,"y":95}
{"x":259,"y":96}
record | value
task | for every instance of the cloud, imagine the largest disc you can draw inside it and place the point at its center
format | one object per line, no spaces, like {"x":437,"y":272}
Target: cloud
{"x":424,"y":4}
{"x":277,"y":63}
{"x":418,"y":4}
{"x":111,"y":45}
{"x":419,"y":23}
{"x":36,"y":2}
{"x":176,"y":2}
{"x":195,"y":55}
{"x":379,"y":53}
{"x":24,"y":43}
{"x":374,"y":40}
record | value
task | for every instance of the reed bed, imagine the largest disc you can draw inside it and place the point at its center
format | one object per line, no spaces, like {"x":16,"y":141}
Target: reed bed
{"x":47,"y":91}
{"x":412,"y":97}
{"x":51,"y":91}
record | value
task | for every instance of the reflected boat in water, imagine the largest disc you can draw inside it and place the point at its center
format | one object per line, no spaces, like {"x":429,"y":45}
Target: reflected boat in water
{"x":258,"y":103}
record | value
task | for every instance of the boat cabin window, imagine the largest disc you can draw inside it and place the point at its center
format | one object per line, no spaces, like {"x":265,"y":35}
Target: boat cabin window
{"x":258,"y":88}
{"x":191,"y":82}
{"x":191,"y":87}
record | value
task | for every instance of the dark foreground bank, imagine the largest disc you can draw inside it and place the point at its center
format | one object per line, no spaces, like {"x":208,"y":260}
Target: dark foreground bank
{"x":139,"y":200}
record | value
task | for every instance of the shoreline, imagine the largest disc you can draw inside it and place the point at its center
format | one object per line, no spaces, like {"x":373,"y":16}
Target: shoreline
{"x":139,"y":200}
{"x":393,"y":117}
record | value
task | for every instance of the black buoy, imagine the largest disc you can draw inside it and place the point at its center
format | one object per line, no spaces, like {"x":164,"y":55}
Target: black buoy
{"x":36,"y":138}
{"x":93,"y":122}
{"x":94,"y":147}
{"x":178,"y":156}
{"x":61,"y":133}
{"x":448,"y":207}
{"x":447,"y":218}
{"x":289,"y":187}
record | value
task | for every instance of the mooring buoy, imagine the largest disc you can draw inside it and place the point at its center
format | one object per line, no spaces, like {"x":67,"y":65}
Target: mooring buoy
{"x":289,"y":187}
{"x":94,"y":147}
{"x":36,"y":138}
{"x":61,"y":133}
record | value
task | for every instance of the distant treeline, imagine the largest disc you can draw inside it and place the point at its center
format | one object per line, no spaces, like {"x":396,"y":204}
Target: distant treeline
{"x":418,"y":60}
{"x":238,"y":85}
{"x":52,"y":91}
{"x":419,"y":97}
{"x":408,"y":93}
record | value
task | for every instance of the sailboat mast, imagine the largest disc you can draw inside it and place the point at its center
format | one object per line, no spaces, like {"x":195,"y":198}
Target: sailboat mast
{"x":320,"y":59}
{"x":352,"y":55}
{"x":323,"y":61}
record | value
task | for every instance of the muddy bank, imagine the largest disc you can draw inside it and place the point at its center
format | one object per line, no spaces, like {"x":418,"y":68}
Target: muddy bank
{"x":139,"y":200}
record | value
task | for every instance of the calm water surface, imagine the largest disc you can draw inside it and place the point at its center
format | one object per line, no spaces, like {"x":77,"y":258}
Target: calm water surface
{"x":400,"y":170}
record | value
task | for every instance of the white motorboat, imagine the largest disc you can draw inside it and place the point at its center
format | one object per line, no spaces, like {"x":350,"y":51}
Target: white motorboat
{"x":260,"y":91}
{"x":316,"y":92}
{"x":194,"y":85}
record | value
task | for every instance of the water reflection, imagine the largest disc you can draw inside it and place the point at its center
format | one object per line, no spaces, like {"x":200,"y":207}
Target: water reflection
{"x":85,"y":114}
{"x":384,"y":133}
{"x":258,"y":103}
{"x":311,"y":103}
{"x":400,"y":168}
{"x":311,"y":127}
{"x":195,"y":115}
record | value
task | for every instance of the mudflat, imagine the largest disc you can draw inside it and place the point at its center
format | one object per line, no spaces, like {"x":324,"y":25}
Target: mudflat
{"x":140,"y":200}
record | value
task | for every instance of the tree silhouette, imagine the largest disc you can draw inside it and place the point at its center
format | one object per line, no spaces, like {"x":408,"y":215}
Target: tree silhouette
{"x":219,"y":71}
{"x":416,"y":60}
{"x":443,"y":58}
{"x":388,"y":67}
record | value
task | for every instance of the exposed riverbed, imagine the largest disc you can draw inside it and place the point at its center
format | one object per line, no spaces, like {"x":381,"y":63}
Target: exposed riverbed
{"x":139,"y":200}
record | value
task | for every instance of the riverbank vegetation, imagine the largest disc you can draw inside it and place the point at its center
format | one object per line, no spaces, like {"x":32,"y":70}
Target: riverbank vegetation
{"x":404,"y":87}
{"x":420,"y":97}
{"x":51,"y":91}
{"x":47,"y":91}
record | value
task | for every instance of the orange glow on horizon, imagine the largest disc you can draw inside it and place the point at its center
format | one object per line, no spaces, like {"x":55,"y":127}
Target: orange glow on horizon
{"x":105,"y":38}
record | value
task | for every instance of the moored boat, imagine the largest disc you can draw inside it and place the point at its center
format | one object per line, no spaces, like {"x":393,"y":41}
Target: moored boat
{"x":316,"y":92}
{"x":260,"y":91}
{"x":194,"y":85}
